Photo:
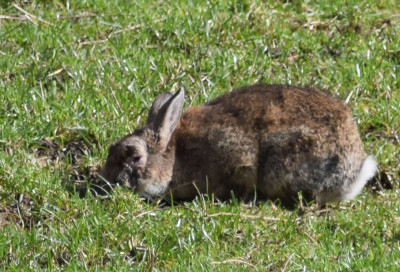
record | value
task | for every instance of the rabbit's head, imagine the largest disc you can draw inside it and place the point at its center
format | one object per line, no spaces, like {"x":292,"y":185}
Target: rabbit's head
{"x":144,"y":159}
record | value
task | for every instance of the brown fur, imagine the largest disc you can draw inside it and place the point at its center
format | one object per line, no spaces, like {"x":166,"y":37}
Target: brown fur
{"x":272,"y":140}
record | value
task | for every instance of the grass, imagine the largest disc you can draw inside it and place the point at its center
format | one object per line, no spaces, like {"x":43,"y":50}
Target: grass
{"x":83,"y":73}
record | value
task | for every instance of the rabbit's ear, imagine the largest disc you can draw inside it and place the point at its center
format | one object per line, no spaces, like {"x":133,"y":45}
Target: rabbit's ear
{"x":160,"y":100}
{"x":168,"y":117}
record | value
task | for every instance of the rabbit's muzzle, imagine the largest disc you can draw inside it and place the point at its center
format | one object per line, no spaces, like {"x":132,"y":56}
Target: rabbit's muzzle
{"x":127,"y":177}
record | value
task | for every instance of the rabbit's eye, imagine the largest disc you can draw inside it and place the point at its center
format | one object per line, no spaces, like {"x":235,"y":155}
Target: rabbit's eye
{"x":136,"y":159}
{"x":129,"y":151}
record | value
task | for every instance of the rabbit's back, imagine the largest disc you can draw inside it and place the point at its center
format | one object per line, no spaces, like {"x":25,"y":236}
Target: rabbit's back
{"x":269,"y":108}
{"x":278,"y":139}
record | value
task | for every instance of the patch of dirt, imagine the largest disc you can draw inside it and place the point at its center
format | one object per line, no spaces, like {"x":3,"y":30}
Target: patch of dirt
{"x":333,"y":52}
{"x":19,"y":213}
{"x":84,"y":180}
{"x":72,"y":151}
{"x":381,"y":182}
{"x":81,"y":178}
{"x":48,"y":149}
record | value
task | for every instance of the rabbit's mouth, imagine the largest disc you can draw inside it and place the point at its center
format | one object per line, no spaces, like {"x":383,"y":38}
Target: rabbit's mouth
{"x":127,"y":179}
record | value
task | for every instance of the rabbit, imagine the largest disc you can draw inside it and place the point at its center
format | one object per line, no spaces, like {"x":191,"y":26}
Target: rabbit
{"x":262,"y":141}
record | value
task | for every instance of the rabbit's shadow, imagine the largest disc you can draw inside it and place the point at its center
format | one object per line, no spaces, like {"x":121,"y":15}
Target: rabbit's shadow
{"x":86,"y":181}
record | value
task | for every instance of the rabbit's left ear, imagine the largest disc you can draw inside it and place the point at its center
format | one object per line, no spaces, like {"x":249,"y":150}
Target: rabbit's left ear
{"x":167,"y":117}
{"x":160,"y":100}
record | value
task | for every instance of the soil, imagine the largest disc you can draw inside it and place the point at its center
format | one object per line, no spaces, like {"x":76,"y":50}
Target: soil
{"x":20,"y":212}
{"x":73,"y":150}
{"x":380,"y":182}
{"x":82,"y":178}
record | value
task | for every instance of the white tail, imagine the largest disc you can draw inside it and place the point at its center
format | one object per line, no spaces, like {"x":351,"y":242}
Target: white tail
{"x":368,"y":170}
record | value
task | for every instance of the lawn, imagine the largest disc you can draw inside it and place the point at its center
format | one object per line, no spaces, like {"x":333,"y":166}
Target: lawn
{"x":76,"y":75}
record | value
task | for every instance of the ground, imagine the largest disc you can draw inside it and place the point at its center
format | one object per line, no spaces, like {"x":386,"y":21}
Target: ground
{"x":76,"y":75}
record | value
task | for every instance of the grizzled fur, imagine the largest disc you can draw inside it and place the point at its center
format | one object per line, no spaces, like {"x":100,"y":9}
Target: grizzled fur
{"x":270,"y":140}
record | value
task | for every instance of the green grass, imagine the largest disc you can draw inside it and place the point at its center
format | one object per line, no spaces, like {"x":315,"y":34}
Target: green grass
{"x":86,"y":72}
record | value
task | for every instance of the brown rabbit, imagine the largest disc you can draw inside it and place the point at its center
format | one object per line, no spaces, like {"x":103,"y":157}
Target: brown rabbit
{"x":268,"y":141}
